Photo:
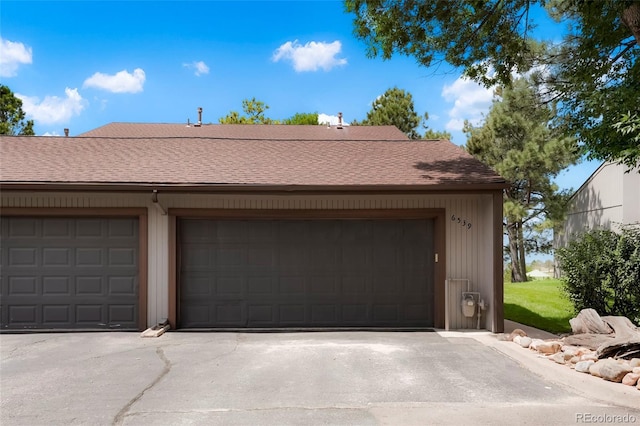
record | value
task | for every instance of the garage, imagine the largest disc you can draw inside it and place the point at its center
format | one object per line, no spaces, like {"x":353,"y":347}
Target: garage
{"x":305,"y":273}
{"x":70,"y":272}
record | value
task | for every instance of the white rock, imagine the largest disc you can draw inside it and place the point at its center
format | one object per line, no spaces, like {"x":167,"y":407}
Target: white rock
{"x":516,"y":339}
{"x":630,"y":379}
{"x":534,"y":344}
{"x":525,"y":341}
{"x":558,"y":357}
{"x":583,"y":366}
{"x":549,"y":347}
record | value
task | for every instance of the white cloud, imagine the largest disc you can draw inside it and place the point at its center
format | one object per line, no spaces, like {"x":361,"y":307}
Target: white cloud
{"x":54,"y":133}
{"x":311,"y":56}
{"x":121,"y":82}
{"x":331,"y":119}
{"x":53,"y":109}
{"x":199,"y":67}
{"x":13,"y":54}
{"x":470,"y":102}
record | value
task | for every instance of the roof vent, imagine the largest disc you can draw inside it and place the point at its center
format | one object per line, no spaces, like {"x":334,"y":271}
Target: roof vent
{"x":199,"y":123}
{"x":339,"y":121}
{"x":66,"y":133}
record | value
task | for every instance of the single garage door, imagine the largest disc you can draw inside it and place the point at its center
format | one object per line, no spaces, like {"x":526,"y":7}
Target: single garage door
{"x":69,"y":273}
{"x":306,"y":273}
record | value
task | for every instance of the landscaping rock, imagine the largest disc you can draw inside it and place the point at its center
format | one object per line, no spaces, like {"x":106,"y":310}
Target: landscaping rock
{"x":516,"y":332}
{"x":534,"y":344}
{"x":634,"y":362}
{"x":516,"y":339}
{"x":549,"y":347}
{"x":594,"y":369}
{"x":630,"y":379}
{"x":591,"y":356}
{"x":574,"y":360}
{"x":583,"y":366}
{"x":612,"y":370}
{"x":636,"y":370}
{"x":571,"y":351}
{"x":588,"y":321}
{"x":525,"y":341}
{"x":558,"y":358}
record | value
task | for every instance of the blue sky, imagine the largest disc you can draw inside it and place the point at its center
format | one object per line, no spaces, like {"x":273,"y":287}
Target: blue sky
{"x":82,"y":64}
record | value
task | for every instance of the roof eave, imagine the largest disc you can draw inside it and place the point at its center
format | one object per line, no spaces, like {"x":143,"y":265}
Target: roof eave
{"x":248,"y":188}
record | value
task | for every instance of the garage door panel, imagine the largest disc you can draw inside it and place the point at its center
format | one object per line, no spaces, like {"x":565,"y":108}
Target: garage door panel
{"x":23,"y":314}
{"x":56,"y":314}
{"x":121,"y":313}
{"x":291,"y":285}
{"x":89,"y":285}
{"x":72,"y":273}
{"x":21,"y":228}
{"x":386,"y":313}
{"x":122,"y":257}
{"x":89,"y":228}
{"x":229,"y":285}
{"x":59,"y":286}
{"x":292,"y":314}
{"x":200,"y":284}
{"x":260,"y":286}
{"x":121,"y":229}
{"x":324,"y":314}
{"x":416,"y":313}
{"x":230,"y":314}
{"x":56,"y":228}
{"x":23,"y":257}
{"x":355,"y":314}
{"x":198,"y":315}
{"x":56,"y":257}
{"x":323,"y":285}
{"x":22,"y":285}
{"x":355,"y":285}
{"x":350,"y":274}
{"x":121,"y":286}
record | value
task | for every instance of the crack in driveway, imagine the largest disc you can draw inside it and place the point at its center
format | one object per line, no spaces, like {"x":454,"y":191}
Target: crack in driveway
{"x":11,"y":354}
{"x":119,"y":418}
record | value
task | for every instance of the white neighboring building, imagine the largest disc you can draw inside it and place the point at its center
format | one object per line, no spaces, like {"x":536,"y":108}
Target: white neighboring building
{"x":608,"y":199}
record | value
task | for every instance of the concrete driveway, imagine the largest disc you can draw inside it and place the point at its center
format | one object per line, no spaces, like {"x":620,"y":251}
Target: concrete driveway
{"x":289,"y":378}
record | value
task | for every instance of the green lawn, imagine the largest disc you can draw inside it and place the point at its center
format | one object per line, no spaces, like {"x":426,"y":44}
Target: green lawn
{"x":540,"y":304}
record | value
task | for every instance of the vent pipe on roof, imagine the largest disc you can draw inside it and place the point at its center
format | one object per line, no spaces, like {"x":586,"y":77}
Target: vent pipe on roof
{"x":66,"y":133}
{"x":339,"y":120}
{"x":199,"y":117}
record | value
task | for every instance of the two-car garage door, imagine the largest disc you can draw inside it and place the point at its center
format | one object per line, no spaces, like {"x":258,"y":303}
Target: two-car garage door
{"x":305,"y":273}
{"x":69,"y":273}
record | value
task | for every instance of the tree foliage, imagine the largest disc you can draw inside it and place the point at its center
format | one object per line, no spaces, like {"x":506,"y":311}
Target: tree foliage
{"x":12,"y":117}
{"x":594,"y":72}
{"x":436,"y":134}
{"x":517,"y":142}
{"x":394,"y":107}
{"x":601,"y":270}
{"x":254,"y":114}
{"x":310,"y":118}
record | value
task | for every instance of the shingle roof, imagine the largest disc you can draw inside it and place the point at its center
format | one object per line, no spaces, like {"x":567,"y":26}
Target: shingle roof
{"x":244,"y":131}
{"x":240,"y":155}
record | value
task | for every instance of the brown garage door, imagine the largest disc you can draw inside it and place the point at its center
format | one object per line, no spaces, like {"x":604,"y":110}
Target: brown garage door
{"x":306,"y":273}
{"x":69,"y":273}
